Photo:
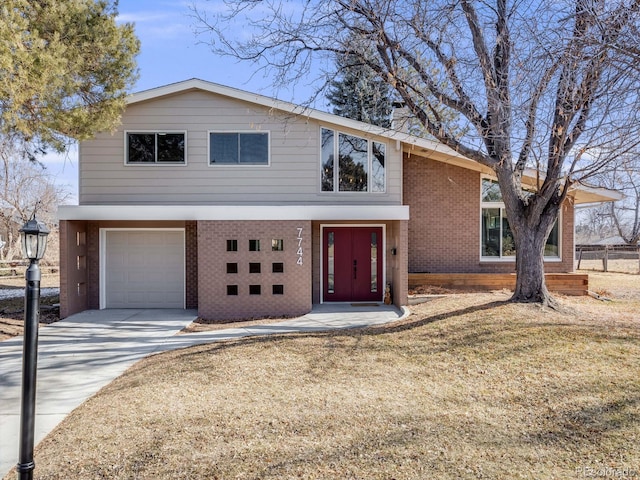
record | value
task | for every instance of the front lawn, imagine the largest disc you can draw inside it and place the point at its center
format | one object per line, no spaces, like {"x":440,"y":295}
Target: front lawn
{"x":467,"y":387}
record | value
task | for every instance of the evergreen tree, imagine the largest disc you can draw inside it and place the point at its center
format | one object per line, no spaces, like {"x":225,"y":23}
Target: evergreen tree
{"x":359,"y":93}
{"x":65,"y":66}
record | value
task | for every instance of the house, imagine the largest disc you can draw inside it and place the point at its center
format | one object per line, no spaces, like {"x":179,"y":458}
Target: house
{"x":231,"y":203}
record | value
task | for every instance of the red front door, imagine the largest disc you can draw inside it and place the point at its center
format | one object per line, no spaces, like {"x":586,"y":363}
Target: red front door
{"x":352,"y":264}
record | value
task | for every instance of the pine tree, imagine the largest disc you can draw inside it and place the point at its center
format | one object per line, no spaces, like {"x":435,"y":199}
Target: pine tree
{"x":65,"y":66}
{"x":358,"y":93}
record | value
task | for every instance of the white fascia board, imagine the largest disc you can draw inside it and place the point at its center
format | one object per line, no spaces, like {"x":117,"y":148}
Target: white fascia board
{"x":233,"y":212}
{"x":585,"y":194}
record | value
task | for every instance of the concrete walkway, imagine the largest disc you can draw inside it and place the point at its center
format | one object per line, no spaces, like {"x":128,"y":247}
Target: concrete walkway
{"x":83,"y":353}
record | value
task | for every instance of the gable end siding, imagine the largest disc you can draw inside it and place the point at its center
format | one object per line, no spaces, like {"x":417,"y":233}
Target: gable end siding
{"x":291,"y":178}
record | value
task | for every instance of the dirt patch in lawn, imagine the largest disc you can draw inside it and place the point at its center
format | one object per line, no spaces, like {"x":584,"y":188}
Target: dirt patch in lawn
{"x":12,"y":315}
{"x":468,"y":386}
{"x":12,"y":309}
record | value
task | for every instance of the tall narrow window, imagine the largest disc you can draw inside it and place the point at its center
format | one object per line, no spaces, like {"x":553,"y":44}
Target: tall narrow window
{"x":330,"y":263}
{"x":327,"y":159}
{"x":352,"y":163}
{"x":552,"y":247}
{"x":491,"y":232}
{"x":374,"y":262}
{"x":378,"y":157}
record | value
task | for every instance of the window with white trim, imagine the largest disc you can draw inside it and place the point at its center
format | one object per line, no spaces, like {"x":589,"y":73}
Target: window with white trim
{"x":238,"y":148}
{"x":144,"y":148}
{"x":496,"y":238}
{"x":360,"y":166}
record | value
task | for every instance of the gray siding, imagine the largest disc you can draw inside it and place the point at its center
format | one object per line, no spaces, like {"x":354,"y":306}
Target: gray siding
{"x":291,"y":178}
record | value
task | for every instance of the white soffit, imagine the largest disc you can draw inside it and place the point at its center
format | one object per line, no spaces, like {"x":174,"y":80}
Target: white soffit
{"x":233,"y":212}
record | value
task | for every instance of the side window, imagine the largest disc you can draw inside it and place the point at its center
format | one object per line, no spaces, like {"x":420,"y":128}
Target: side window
{"x":155,"y":148}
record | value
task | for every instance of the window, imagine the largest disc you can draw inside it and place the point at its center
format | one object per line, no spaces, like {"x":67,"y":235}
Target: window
{"x":155,"y":148}
{"x":232,"y":245}
{"x":497,"y":238}
{"x":254,"y":245}
{"x":254,"y":289}
{"x":238,"y":148}
{"x":360,"y":166}
{"x":277,"y":245}
{"x":277,"y":289}
{"x":232,"y":289}
{"x":254,"y":267}
{"x":232,"y":268}
{"x":277,"y":267}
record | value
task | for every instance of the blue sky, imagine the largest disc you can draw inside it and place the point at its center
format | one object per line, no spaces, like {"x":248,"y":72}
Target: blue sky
{"x":170,"y":52}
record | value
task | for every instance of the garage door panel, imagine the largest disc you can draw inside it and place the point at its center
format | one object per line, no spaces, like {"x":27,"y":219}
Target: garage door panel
{"x":144,"y":269}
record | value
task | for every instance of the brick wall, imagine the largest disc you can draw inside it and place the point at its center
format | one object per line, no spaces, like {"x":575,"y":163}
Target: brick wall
{"x":73,"y":267}
{"x":444,"y":229}
{"x":214,"y":302}
{"x":93,"y":265}
{"x":191,"y":264}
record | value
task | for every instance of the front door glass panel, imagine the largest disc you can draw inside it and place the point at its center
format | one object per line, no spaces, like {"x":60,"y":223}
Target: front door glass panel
{"x":374,"y":262}
{"x":330,"y":263}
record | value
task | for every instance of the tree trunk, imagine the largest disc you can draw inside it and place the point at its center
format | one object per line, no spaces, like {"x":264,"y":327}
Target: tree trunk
{"x":530,"y":282}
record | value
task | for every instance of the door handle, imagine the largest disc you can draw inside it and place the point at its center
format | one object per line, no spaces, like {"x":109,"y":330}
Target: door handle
{"x":355,"y":269}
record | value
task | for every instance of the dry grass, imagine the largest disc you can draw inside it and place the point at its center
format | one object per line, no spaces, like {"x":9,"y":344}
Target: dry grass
{"x":614,"y":265}
{"x":467,"y":387}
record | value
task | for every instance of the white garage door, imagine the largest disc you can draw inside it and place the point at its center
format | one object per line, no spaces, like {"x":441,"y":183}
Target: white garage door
{"x":144,"y":269}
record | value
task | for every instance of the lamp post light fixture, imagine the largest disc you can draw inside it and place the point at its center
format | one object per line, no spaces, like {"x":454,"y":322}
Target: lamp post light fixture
{"x":34,"y":243}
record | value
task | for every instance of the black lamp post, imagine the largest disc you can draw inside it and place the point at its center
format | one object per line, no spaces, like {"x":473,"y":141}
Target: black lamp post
{"x":34,"y":243}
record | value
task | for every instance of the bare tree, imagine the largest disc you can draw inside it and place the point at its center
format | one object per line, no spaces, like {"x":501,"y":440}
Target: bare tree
{"x":25,"y":188}
{"x":620,"y":218}
{"x":536,"y":85}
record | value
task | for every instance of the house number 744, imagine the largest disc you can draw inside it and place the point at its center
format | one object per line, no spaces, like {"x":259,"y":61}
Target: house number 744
{"x":300,"y":251}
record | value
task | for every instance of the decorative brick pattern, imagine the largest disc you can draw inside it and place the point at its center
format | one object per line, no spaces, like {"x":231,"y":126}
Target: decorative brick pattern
{"x":214,"y":303}
{"x":93,"y":265}
{"x":191,"y":264}
{"x":73,"y":270}
{"x":444,"y":229}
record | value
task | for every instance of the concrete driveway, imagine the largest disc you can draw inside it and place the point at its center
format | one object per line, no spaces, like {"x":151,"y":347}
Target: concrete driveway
{"x":83,"y":353}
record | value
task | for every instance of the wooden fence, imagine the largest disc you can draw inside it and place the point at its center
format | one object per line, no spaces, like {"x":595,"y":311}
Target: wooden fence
{"x":16,"y":268}
{"x":630,"y":254}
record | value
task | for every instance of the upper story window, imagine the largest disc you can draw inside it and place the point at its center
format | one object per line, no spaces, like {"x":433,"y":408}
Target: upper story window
{"x":497,"y":239}
{"x":238,"y":148}
{"x":360,"y":166}
{"x":155,"y":147}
